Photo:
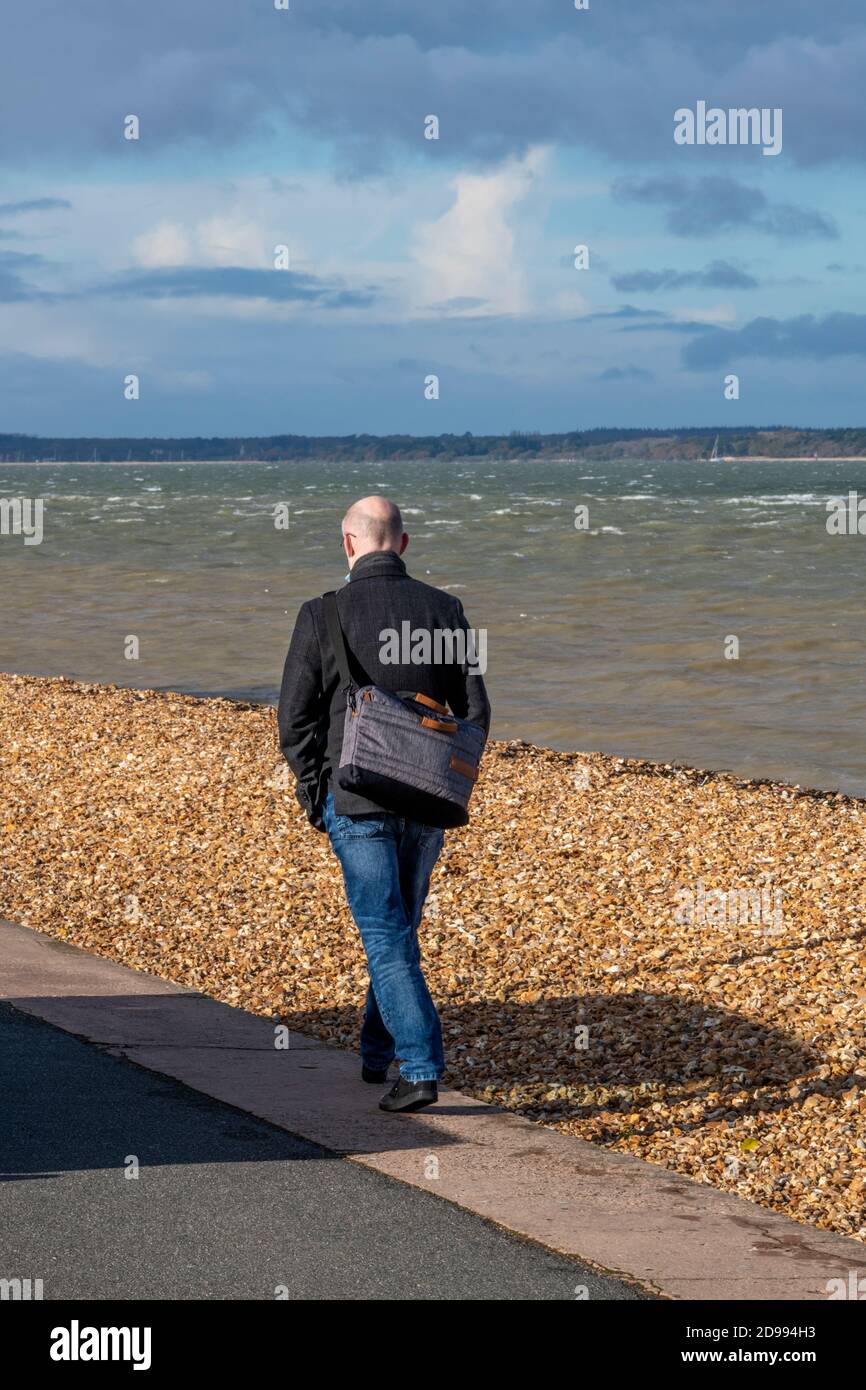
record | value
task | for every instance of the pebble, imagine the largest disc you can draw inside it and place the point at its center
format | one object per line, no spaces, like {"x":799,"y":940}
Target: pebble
{"x":726,"y":1042}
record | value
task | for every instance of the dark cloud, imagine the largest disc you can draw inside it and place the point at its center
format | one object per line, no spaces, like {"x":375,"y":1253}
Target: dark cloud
{"x":628,"y":373}
{"x":14,"y":289}
{"x":460,"y":303}
{"x":630,"y":319}
{"x":189,"y":282}
{"x":33,"y":205}
{"x":791,"y":223}
{"x":707,"y":206}
{"x":687,"y":327}
{"x":236,"y":282}
{"x":499,"y":23}
{"x":719,"y":275}
{"x":628,"y":311}
{"x":806,"y":336}
{"x":501,"y":75}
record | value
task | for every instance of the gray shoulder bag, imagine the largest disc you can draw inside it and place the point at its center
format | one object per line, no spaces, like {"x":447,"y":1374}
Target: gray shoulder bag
{"x":404,"y":751}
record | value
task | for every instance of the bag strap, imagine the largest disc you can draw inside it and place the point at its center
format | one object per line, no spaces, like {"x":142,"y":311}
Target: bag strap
{"x":424,"y":700}
{"x":335,"y":636}
{"x":338,"y":646}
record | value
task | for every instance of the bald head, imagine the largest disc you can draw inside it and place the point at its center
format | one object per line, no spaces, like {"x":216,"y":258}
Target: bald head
{"x":373,"y":523}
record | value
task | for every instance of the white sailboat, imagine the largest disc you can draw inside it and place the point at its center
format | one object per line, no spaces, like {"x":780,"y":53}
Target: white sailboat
{"x":714,"y":456}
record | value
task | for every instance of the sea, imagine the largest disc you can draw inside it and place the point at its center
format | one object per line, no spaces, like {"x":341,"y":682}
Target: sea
{"x":706,"y":614}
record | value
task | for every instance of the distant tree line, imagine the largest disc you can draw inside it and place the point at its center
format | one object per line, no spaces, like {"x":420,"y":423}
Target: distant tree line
{"x":776,"y":440}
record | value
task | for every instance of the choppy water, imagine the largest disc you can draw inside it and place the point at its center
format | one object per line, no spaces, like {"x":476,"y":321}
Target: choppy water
{"x":611,"y":638}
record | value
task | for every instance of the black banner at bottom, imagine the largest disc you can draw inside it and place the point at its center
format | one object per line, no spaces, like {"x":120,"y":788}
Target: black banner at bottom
{"x":652,"y":1336}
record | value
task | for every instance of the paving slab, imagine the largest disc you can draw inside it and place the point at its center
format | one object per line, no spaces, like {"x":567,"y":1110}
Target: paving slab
{"x":672,"y":1236}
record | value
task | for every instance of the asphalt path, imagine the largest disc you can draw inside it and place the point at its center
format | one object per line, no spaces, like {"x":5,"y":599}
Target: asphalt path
{"x":224,"y":1206}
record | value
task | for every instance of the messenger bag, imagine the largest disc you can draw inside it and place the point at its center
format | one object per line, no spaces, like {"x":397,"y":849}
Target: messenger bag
{"x":405,"y":752}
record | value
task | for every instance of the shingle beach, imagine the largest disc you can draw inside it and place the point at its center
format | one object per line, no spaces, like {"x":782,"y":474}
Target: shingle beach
{"x":666,"y":961}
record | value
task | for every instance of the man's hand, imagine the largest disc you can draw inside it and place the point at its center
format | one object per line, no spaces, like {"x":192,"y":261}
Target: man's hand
{"x":312,"y":812}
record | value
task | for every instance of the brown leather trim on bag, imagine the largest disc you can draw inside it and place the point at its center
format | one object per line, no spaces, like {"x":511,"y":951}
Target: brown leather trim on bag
{"x":431,"y":704}
{"x":443,"y":725}
{"x":465,"y":768}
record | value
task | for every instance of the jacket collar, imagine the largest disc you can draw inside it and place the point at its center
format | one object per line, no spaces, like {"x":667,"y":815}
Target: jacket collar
{"x":378,"y":564}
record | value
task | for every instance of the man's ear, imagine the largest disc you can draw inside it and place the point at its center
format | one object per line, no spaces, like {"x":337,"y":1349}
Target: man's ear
{"x":403,"y":543}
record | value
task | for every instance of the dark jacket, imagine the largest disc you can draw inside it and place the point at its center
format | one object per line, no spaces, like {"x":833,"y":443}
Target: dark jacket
{"x":380,"y":595}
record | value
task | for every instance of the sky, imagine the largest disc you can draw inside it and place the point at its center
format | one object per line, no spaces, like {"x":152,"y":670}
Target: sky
{"x":408,"y":257}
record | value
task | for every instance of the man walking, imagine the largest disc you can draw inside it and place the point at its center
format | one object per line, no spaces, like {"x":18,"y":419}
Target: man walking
{"x":386,"y":859}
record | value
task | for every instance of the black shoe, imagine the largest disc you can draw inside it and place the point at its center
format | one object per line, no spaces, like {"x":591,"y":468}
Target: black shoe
{"x":376,"y":1078}
{"x":410,"y":1095}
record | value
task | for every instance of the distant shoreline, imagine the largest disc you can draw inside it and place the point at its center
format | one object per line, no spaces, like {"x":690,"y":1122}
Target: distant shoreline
{"x":423,"y":458}
{"x":696,"y":444}
{"x":782,"y":458}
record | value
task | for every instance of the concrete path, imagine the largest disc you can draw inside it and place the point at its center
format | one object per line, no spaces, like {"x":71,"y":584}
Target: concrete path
{"x":673,"y":1237}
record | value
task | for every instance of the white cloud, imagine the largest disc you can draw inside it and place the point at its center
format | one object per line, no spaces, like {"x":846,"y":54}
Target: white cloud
{"x":230,"y":241}
{"x":471,"y":252}
{"x":166,"y":244}
{"x":220,"y":241}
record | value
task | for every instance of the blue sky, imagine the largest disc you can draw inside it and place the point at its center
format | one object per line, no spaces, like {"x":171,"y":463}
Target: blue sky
{"x":409,"y":257}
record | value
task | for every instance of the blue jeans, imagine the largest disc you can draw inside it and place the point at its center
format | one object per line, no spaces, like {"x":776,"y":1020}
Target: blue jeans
{"x":387,"y":862}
